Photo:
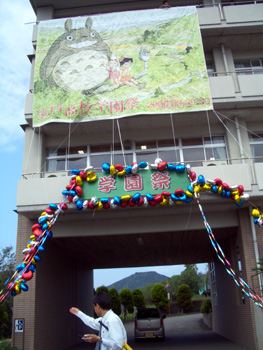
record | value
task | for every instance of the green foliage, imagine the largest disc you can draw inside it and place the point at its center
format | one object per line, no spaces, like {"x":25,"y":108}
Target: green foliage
{"x":126,"y":300}
{"x":159,"y":296}
{"x":259,"y":269}
{"x":6,"y":345}
{"x":101,"y":289}
{"x":7,"y":268}
{"x":138,"y":298}
{"x":184,"y":297}
{"x":206,"y":307}
{"x":115,"y":300}
{"x":158,"y":92}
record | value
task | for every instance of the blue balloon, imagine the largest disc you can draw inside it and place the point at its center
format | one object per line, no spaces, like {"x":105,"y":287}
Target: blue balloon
{"x":201,"y":180}
{"x":240,"y":203}
{"x":190,"y":188}
{"x":136,"y":197}
{"x":75,"y":171}
{"x":214,"y":189}
{"x":32,"y":267}
{"x":171,"y":167}
{"x":174,"y":197}
{"x":142,"y":165}
{"x":44,"y":227}
{"x":13,"y":293}
{"x":223,"y":194}
{"x":24,"y":287}
{"x":188,"y":200}
{"x":106,"y":167}
{"x":180,"y":168}
{"x":20,"y":267}
{"x":50,"y":234}
{"x":228,"y":194}
{"x":42,"y":220}
{"x":79,"y":205}
{"x":117,"y":200}
{"x":149,"y":197}
{"x":72,"y":193}
{"x":53,"y":206}
{"x":104,"y":200}
{"x":37,"y":258}
{"x":128,"y":170}
{"x":65,"y":192}
{"x":41,"y":248}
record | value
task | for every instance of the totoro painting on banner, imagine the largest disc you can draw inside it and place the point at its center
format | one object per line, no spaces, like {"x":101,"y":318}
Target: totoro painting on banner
{"x":120,"y":64}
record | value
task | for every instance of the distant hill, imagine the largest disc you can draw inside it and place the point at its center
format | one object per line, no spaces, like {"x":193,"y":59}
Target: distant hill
{"x":138,"y":280}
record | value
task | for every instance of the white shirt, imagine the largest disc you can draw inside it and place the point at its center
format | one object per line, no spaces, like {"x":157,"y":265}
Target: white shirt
{"x":113,"y":338}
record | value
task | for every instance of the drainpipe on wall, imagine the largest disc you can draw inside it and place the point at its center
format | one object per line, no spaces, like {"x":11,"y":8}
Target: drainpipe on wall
{"x":239,"y":141}
{"x":254,"y":235}
{"x":224,"y":58}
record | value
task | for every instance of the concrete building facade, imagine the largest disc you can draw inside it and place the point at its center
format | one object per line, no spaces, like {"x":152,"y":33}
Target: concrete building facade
{"x":232,"y":36}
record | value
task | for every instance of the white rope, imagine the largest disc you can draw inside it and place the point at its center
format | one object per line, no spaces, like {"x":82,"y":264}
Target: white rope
{"x":210,"y":134}
{"x":68,"y":148}
{"x":112,"y":141}
{"x":121,"y":142}
{"x":171,"y":116}
{"x":231,"y":134}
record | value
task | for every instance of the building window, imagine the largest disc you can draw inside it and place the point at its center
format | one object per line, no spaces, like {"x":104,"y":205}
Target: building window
{"x":256,"y":144}
{"x":212,"y":270}
{"x":64,"y":158}
{"x":192,"y":150}
{"x":210,"y":67}
{"x":248,"y":67}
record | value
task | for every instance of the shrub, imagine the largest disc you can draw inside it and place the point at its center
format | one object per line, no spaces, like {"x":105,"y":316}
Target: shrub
{"x":184,"y":297}
{"x":206,"y":307}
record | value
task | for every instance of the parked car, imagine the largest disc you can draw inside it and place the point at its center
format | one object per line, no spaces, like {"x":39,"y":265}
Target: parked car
{"x":149,"y":323}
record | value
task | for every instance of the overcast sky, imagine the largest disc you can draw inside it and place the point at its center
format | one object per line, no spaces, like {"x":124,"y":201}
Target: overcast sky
{"x":16,"y":25}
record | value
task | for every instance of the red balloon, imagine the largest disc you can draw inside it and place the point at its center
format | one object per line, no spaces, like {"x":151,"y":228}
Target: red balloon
{"x":240,"y":189}
{"x":124,"y":204}
{"x":166,"y":194}
{"x":79,"y":191}
{"x":218,"y":182}
{"x":158,"y":198}
{"x":27,"y":275}
{"x":162,"y":165}
{"x":131,"y":203}
{"x":140,"y":202}
{"x":118,"y":167}
{"x":225,"y":187}
{"x":152,"y":203}
{"x":106,"y":205}
{"x":91,"y":206}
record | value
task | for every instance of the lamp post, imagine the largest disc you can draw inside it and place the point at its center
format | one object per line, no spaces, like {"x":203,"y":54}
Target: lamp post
{"x":168,"y":288}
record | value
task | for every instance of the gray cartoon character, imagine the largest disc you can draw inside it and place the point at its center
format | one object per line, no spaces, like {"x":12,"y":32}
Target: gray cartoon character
{"x":77,"y":60}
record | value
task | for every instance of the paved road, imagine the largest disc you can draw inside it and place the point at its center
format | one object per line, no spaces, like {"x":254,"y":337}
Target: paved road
{"x":186,"y":332}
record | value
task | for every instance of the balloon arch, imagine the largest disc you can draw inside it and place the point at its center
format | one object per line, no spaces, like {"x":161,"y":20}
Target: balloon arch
{"x":80,"y":179}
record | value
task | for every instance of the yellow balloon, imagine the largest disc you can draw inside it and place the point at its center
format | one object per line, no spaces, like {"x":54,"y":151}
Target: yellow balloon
{"x":99,"y":205}
{"x":164,"y":202}
{"x":189,"y":194}
{"x":255,"y":213}
{"x":197,"y":188}
{"x":112,"y":170}
{"x":17,"y":288}
{"x":125,"y":197}
{"x":121,"y":173}
{"x":237,"y":198}
{"x":178,"y":202}
{"x":79,"y":180}
{"x":220,"y":190}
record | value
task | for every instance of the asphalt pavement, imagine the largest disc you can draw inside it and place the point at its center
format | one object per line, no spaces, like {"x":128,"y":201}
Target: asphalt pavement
{"x":185,"y":332}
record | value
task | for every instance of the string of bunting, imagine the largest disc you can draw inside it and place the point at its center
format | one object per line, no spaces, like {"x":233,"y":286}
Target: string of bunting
{"x":42,"y":230}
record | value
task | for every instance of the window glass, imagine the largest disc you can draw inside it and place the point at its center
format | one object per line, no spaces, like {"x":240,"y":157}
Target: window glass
{"x":100,"y":148}
{"x":77,"y":163}
{"x":146,"y":157}
{"x":118,"y":159}
{"x":192,"y":141}
{"x":167,"y":143}
{"x":214,"y":139}
{"x":169,"y":156}
{"x":97,"y":160}
{"x":78,"y":150}
{"x":193,"y":156}
{"x":257,"y":152}
{"x":216,"y":153}
{"x":146,"y":145}
{"x":55,"y":164}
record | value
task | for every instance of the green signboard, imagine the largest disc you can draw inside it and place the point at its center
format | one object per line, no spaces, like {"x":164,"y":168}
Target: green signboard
{"x":145,"y":181}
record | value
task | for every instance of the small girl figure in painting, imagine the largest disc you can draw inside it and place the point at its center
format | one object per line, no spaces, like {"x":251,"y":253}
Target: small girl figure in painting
{"x":126,"y":78}
{"x":114,"y":70}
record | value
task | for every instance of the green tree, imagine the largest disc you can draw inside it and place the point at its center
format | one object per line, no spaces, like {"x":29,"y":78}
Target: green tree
{"x":101,"y":289}
{"x":159,"y":296}
{"x":184,"y":297}
{"x":190,"y":277}
{"x":138,"y":298}
{"x":146,"y":291}
{"x":7,"y":268}
{"x":115,"y":300}
{"x":126,"y":301}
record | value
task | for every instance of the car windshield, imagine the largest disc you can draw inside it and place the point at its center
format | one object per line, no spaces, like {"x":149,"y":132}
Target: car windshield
{"x":148,"y":313}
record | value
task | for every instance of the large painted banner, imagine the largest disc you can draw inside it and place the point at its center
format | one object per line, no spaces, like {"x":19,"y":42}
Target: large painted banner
{"x":120,"y":64}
